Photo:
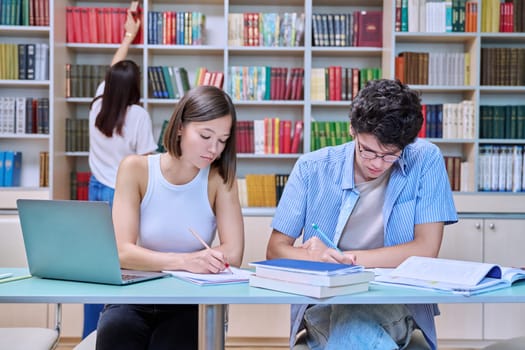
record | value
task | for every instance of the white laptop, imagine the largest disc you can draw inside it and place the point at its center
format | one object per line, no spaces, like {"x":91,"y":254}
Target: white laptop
{"x":74,"y":240}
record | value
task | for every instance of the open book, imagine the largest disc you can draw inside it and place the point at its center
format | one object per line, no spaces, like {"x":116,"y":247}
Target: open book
{"x":456,"y":276}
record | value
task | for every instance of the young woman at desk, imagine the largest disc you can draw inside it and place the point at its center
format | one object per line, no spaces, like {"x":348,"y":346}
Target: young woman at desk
{"x":158,"y":199}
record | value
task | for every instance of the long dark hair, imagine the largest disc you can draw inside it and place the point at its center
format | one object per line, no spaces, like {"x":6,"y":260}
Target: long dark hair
{"x":201,"y":104}
{"x":122,"y":89}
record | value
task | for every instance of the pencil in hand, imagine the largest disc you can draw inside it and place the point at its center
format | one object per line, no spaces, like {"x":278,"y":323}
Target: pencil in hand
{"x":325,"y":238}
{"x":196,"y":235}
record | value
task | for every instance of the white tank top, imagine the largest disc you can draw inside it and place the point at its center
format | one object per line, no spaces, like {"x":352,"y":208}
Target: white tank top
{"x":167,"y":211}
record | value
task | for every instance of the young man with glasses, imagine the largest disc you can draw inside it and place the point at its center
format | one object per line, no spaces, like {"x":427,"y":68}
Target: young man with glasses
{"x":381,"y":198}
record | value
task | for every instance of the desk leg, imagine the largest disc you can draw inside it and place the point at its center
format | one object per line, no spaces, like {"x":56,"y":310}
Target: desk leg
{"x":211,"y":327}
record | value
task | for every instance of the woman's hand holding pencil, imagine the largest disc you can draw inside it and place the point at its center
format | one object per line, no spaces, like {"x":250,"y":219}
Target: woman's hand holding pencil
{"x":207,"y":247}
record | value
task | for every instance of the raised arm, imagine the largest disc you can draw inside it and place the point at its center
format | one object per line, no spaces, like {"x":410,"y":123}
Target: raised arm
{"x":132,"y":27}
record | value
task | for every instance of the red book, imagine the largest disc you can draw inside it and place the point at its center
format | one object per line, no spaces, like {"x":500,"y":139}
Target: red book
{"x":338,"y":77}
{"x":137,"y":13}
{"x":423,"y":131}
{"x":93,"y":25}
{"x":286,"y":136}
{"x":45,"y":14}
{"x":239,"y":137}
{"x":299,"y":83}
{"x":77,"y":30}
{"x":370,"y":29}
{"x":69,"y":24}
{"x":107,"y":24}
{"x":84,"y":23}
{"x":297,"y":136}
{"x":331,"y":83}
{"x":246,"y":26}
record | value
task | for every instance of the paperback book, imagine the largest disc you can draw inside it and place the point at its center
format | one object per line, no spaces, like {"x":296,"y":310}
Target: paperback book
{"x":448,"y":275}
{"x":310,"y":290}
{"x":310,"y":278}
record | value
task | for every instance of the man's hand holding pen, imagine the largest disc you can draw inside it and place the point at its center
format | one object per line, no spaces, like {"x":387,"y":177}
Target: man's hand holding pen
{"x":318,"y":251}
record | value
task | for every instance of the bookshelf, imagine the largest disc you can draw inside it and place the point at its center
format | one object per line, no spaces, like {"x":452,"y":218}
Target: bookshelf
{"x":218,"y":54}
{"x":37,"y":87}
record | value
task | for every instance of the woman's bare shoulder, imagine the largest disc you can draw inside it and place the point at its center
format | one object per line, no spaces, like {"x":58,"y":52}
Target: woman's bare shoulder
{"x":135,"y":162}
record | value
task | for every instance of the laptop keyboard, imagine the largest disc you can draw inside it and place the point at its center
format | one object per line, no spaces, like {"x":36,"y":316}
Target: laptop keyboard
{"x":128,"y":276}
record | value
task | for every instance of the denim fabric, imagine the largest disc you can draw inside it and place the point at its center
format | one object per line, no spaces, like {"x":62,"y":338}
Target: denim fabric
{"x":358,"y":327}
{"x":155,"y":327}
{"x":100,"y":192}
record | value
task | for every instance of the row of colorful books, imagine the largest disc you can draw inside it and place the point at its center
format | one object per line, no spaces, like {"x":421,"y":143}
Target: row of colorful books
{"x":311,"y":278}
{"x":176,"y":28}
{"x":501,"y":168}
{"x":336,"y":83}
{"x":168,"y":82}
{"x":258,"y":83}
{"x":329,"y":133}
{"x":24,"y":61}
{"x":502,"y":16}
{"x":433,"y":68}
{"x":261,"y":190}
{"x":24,"y":115}
{"x":266,"y":29}
{"x":77,"y":135}
{"x":358,"y":28}
{"x":502,"y":122}
{"x":24,"y":13}
{"x":503,"y":66}
{"x":10,"y":168}
{"x":448,"y":121}
{"x":103,"y":25}
{"x":269,"y":136}
{"x":436,"y":16}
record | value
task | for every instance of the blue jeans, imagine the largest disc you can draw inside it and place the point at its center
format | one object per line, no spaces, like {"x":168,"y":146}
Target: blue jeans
{"x":155,"y":327}
{"x":100,"y":192}
{"x":97,"y":192}
{"x":358,"y":327}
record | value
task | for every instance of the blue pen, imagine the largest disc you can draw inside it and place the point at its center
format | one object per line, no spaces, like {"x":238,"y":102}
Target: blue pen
{"x":325,"y":238}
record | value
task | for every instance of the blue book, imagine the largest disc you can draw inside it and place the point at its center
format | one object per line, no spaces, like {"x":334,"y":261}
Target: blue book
{"x":307,"y":266}
{"x":12,"y":168}
{"x":2,"y":157}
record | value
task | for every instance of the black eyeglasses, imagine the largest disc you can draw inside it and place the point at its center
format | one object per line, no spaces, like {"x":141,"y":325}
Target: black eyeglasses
{"x":365,"y":154}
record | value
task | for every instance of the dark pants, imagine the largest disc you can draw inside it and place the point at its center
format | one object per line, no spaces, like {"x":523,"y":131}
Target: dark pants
{"x":155,"y":327}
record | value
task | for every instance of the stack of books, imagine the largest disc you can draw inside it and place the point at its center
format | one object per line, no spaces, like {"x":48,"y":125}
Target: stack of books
{"x":311,"y":278}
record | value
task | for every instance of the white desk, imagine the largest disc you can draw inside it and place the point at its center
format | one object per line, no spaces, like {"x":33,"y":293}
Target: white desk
{"x":213,"y":298}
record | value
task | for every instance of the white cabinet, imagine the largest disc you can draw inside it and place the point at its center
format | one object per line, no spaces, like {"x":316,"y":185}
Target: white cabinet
{"x":492,"y":238}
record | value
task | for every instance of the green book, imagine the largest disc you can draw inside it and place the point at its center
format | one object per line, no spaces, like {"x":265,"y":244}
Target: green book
{"x":160,"y":143}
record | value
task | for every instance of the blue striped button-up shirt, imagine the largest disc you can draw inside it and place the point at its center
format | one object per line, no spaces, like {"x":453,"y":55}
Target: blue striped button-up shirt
{"x":321,"y":190}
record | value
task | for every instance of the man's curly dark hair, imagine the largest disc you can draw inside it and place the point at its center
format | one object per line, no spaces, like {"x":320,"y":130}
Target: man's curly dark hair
{"x":389,"y":110}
